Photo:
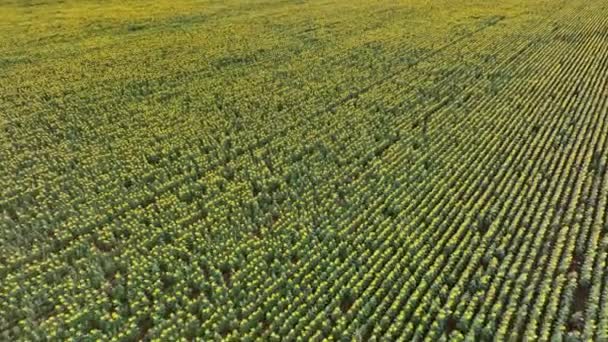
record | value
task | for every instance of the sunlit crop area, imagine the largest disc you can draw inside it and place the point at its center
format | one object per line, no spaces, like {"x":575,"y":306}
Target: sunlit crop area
{"x":304,"y":170}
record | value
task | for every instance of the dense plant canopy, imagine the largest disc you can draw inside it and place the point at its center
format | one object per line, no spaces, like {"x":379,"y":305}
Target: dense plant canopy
{"x":303,"y":170}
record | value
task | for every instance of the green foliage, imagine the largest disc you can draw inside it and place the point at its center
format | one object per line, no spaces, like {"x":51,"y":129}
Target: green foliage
{"x":303,"y":171}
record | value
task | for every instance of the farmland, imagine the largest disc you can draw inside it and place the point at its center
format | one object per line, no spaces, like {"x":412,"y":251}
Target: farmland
{"x":304,"y":170}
